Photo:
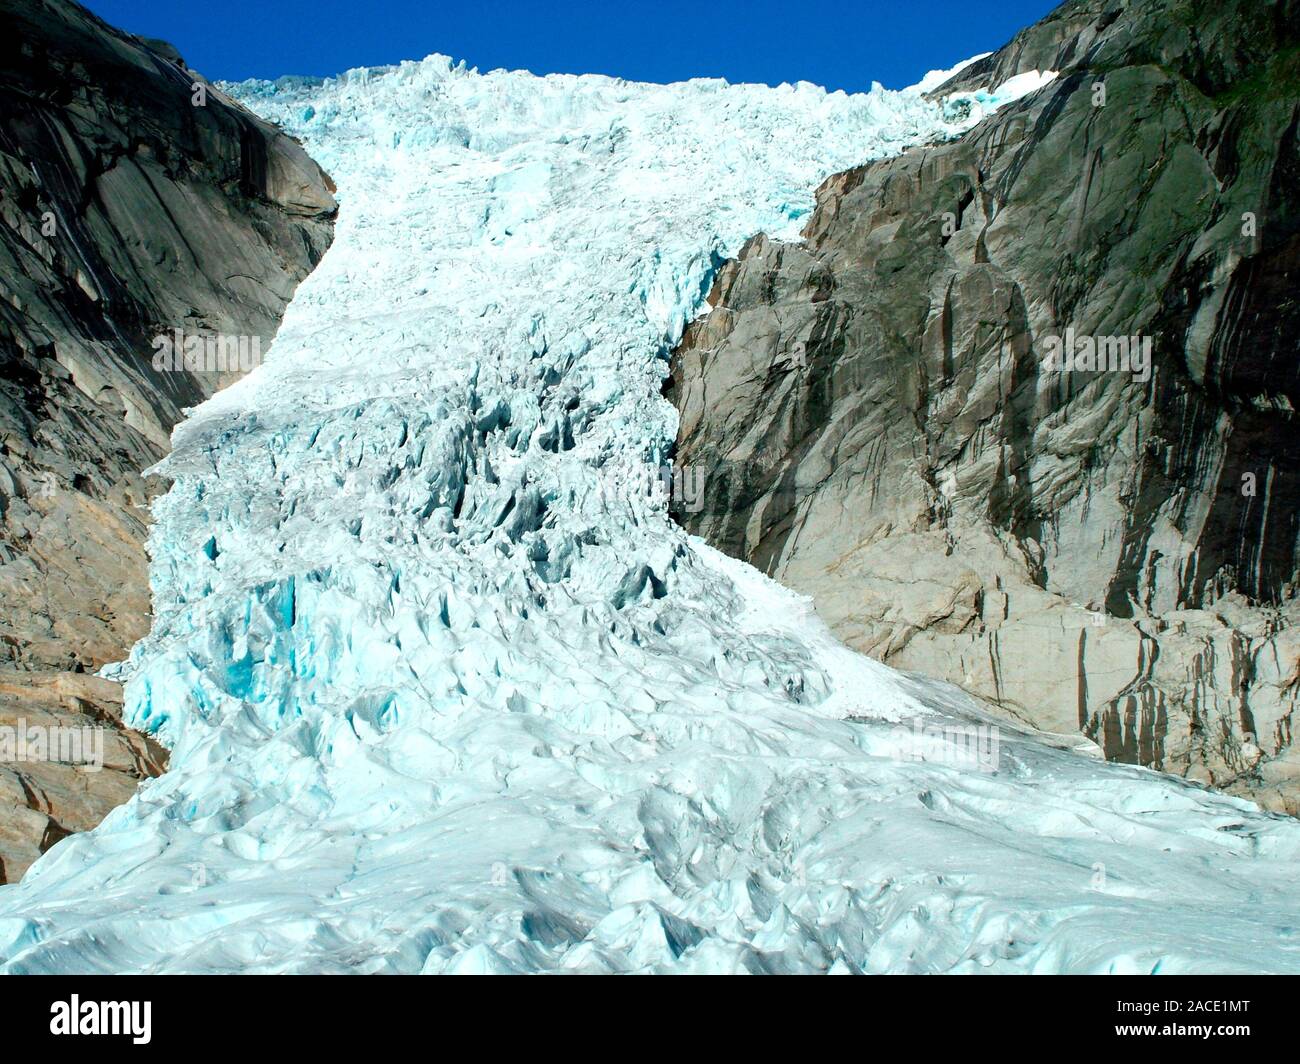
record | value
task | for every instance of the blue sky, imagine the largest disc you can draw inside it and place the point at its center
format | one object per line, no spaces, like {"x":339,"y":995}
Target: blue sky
{"x":842,"y":44}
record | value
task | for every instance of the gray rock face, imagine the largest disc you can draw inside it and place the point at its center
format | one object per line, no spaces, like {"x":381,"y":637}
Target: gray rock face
{"x":132,"y":205}
{"x":886,"y":419}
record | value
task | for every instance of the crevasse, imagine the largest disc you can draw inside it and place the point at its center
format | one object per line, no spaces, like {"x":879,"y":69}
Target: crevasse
{"x":447,"y":690}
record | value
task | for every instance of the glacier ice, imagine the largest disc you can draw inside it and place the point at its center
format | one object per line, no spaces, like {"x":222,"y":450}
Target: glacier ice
{"x":448,"y":692}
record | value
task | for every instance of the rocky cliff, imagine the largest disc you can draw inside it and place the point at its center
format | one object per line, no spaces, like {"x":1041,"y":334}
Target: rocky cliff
{"x":1019,"y":412}
{"x":136,"y":202}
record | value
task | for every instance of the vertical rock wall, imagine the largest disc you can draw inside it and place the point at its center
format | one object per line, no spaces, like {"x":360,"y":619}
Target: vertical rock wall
{"x":135,"y":201}
{"x":1095,"y":546}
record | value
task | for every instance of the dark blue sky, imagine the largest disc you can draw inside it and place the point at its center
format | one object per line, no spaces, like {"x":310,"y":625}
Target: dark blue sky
{"x":842,"y":44}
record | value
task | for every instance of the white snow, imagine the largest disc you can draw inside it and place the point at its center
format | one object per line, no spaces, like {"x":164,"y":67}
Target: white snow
{"x":447,"y":692}
{"x":934,"y":78}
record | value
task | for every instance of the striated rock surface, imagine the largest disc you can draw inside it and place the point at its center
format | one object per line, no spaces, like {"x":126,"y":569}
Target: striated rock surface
{"x":876,"y":421}
{"x":135,"y":201}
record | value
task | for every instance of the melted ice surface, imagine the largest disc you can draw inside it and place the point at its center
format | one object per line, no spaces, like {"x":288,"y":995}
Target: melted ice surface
{"x":447,"y":690}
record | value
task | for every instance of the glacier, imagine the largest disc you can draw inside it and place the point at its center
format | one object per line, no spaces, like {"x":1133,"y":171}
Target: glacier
{"x":448,"y":691}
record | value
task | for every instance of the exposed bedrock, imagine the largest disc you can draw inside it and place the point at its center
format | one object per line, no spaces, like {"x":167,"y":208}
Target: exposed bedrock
{"x":132,"y":206}
{"x":1090,"y":545}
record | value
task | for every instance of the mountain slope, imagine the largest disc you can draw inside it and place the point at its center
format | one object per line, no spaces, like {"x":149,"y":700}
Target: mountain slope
{"x":126,"y":212}
{"x":1108,"y":550}
{"x":448,"y":691}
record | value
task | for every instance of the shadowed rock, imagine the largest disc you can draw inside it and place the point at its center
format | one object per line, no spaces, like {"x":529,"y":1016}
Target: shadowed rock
{"x":127,"y":211}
